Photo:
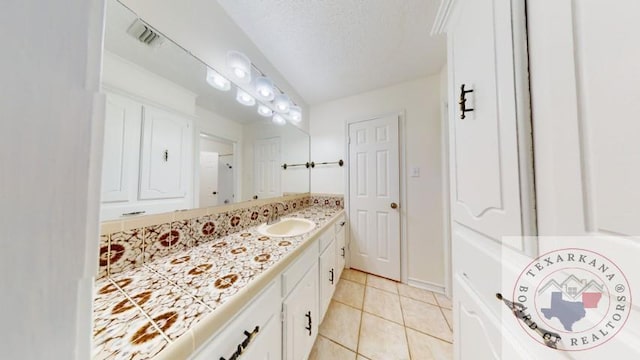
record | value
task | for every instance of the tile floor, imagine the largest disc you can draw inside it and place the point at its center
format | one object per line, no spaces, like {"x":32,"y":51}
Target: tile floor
{"x":372,"y":318}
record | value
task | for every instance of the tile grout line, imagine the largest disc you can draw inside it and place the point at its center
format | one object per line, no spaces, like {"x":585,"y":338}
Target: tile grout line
{"x":337,"y":343}
{"x":364,"y":294}
{"x":404,"y":323}
{"x":180,"y":288}
{"x":144,"y":313}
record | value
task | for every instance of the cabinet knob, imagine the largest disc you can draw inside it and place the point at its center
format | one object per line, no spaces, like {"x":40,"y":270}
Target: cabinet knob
{"x":394,"y":205}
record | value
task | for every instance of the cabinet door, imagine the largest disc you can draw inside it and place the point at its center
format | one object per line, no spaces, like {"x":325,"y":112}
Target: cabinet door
{"x":341,"y":250}
{"x":328,"y":277}
{"x":267,"y":346}
{"x":301,"y":317}
{"x":121,"y":149}
{"x":485,"y":185}
{"x":165,"y":169}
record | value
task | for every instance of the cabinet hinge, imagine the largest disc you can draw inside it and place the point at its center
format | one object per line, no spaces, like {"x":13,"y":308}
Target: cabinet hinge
{"x":282,"y":316}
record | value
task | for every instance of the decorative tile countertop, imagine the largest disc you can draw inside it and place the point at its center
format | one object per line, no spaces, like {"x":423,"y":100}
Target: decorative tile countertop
{"x":169,"y":307}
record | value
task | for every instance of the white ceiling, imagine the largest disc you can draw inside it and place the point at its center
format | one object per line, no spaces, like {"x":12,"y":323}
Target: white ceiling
{"x":328,"y":49}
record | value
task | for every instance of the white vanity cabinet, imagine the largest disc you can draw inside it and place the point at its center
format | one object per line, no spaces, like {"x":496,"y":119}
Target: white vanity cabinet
{"x":328,"y":276}
{"x":300,"y":314}
{"x":282,"y":322}
{"x":147,"y":156}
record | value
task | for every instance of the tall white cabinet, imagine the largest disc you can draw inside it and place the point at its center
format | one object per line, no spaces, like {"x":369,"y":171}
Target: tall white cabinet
{"x":490,"y":152}
{"x":576,"y":59}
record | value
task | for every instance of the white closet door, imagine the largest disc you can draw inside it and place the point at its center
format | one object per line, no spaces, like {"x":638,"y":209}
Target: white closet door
{"x":121,"y":149}
{"x":374,"y":192}
{"x":584,"y":86}
{"x":165,"y":157}
{"x":485,"y":184}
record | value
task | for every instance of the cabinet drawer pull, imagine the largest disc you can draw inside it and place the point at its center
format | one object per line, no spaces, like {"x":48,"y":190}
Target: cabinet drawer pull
{"x":308,"y":315}
{"x":244,"y":344}
{"x":134,"y":213}
{"x":550,"y":338}
{"x":331,"y":278}
{"x":463,"y":102}
{"x":342,"y":251}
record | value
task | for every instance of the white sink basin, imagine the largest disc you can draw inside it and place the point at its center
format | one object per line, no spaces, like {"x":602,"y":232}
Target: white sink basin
{"x":287,"y":227}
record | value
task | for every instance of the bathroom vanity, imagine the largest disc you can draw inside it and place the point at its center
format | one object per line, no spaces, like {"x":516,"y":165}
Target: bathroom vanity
{"x":220,"y":296}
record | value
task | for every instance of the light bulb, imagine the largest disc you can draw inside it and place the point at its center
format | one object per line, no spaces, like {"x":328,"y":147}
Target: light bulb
{"x":244,"y":98}
{"x":282,"y":103}
{"x":264,"y":88}
{"x":240,"y":65}
{"x":278,"y":119}
{"x":264,"y":110}
{"x":217,"y":81}
{"x":295,"y":113}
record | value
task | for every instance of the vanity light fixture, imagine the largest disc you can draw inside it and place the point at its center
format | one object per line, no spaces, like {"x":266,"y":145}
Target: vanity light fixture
{"x":245,"y":99}
{"x":278,"y":119}
{"x":295,"y":113}
{"x":264,"y":88}
{"x":217,"y":81}
{"x":240,"y":65}
{"x":264,"y":110}
{"x":282,"y":103}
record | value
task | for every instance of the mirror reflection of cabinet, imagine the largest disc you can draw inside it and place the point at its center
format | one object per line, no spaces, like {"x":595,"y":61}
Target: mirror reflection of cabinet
{"x":146,"y":159}
{"x":122,"y":141}
{"x":165,"y":155}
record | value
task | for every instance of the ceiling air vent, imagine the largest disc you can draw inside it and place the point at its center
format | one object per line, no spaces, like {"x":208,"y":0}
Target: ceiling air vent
{"x":144,"y":33}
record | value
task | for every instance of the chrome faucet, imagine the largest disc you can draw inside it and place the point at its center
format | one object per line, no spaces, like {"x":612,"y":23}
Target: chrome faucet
{"x":275,"y":216}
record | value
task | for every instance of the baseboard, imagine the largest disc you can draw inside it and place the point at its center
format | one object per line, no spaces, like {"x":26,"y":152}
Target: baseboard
{"x":426,"y":285}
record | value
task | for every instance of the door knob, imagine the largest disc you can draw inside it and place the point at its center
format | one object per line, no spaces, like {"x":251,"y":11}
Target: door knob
{"x":394,"y":205}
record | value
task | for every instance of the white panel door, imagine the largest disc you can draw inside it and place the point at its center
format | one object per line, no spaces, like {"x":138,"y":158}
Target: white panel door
{"x":122,"y":125}
{"x":485,"y":185}
{"x":585,"y":94}
{"x":166,"y":146}
{"x":209,"y":174}
{"x":374,"y":191}
{"x":267,"y":169}
{"x":225,"y":180}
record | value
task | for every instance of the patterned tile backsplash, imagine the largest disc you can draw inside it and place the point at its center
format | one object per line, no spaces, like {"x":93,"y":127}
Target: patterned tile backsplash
{"x":164,"y":278}
{"x":124,"y":250}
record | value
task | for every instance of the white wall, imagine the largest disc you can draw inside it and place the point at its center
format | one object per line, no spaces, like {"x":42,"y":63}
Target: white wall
{"x":420,"y":99}
{"x":49,"y":180}
{"x":124,"y":75}
{"x":205,"y":29}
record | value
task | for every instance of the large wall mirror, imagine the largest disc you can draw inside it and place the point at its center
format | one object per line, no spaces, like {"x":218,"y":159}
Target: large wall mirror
{"x":174,"y":140}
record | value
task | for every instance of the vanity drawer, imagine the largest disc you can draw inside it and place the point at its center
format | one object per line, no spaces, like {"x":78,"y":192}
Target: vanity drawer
{"x":296,"y":271}
{"x":253,"y":319}
{"x":325,"y":239}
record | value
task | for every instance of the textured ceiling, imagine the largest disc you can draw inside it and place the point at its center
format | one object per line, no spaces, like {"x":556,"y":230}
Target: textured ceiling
{"x":329,"y":49}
